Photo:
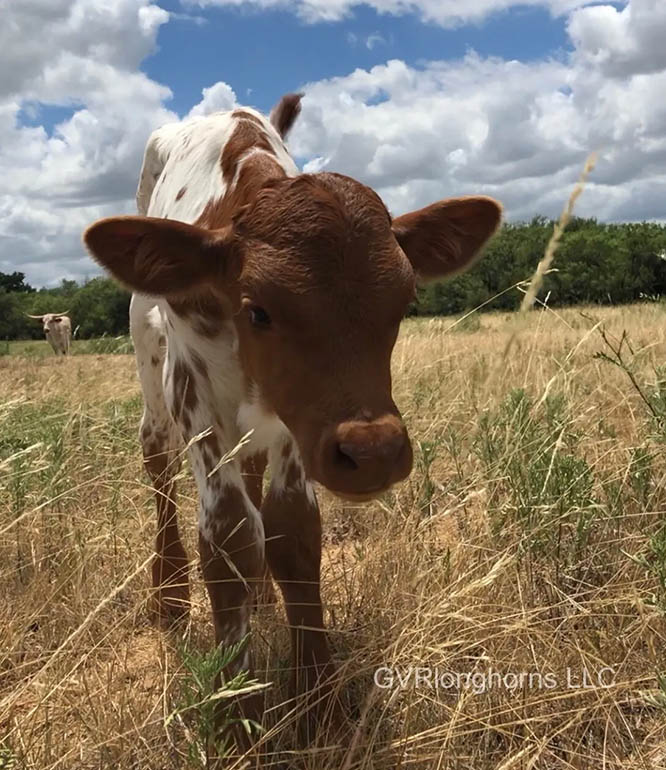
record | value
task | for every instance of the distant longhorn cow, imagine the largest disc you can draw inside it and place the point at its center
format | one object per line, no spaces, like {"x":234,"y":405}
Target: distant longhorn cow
{"x":57,"y":330}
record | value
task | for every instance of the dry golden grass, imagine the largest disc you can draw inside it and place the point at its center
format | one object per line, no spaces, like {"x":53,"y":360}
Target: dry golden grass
{"x":528,"y":539}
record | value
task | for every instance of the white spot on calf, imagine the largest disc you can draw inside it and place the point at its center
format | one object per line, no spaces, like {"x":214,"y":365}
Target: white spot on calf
{"x":267,"y":428}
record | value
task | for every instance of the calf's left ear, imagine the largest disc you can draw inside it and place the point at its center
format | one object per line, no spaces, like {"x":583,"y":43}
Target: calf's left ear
{"x":446,"y":238}
{"x":160,"y":257}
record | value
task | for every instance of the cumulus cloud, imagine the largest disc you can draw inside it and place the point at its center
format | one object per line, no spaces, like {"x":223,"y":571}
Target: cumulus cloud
{"x":519,"y":131}
{"x":516,"y":130}
{"x":120,"y":34}
{"x":218,"y":97}
{"x":622,"y":42}
{"x":54,"y":183}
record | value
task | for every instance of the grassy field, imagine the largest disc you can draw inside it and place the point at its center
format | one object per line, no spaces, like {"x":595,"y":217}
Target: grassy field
{"x":528,"y":547}
{"x":40,"y":348}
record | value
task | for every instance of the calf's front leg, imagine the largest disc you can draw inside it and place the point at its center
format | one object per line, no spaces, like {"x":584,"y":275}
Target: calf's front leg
{"x":170,"y":567}
{"x":252,"y":469}
{"x":231,"y":547}
{"x":292,"y":525}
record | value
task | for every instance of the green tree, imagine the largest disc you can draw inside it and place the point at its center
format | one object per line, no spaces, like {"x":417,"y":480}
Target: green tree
{"x":14,"y":282}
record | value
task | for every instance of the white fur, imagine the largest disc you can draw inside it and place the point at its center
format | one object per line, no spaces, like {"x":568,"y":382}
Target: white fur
{"x":182,"y":160}
{"x":270,"y":434}
{"x":187,"y":156}
{"x":267,"y":428}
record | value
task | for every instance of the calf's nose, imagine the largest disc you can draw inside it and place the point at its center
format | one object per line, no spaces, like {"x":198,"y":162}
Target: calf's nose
{"x":365,"y":457}
{"x":359,"y":444}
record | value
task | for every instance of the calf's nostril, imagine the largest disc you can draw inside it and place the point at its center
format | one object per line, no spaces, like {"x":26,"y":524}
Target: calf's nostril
{"x":352,"y":455}
{"x":346,"y":456}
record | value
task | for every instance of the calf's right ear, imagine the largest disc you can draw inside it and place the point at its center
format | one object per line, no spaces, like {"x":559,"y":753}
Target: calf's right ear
{"x":160,"y":257}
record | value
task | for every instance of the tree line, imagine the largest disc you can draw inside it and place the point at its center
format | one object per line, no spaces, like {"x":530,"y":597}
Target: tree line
{"x":606,"y":264}
{"x":596,"y":263}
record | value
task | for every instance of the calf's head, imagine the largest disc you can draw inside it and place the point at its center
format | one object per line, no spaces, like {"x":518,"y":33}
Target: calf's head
{"x":319,"y":277}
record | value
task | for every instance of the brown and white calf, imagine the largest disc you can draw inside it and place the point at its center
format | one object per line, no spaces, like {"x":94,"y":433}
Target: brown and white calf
{"x":57,"y":330}
{"x":267,"y":300}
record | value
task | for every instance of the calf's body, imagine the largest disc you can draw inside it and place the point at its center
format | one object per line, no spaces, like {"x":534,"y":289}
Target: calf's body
{"x":268,"y":302}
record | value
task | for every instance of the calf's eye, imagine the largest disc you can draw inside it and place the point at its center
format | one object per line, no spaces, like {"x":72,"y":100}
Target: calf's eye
{"x":259,"y":317}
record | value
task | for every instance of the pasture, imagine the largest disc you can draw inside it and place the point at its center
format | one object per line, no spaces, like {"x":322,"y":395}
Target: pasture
{"x":529,"y":541}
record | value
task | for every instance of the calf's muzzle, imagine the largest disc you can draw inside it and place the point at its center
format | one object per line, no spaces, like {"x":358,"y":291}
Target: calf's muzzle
{"x":359,"y":459}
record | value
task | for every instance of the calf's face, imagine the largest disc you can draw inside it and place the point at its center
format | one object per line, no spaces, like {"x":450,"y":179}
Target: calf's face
{"x":319,"y":277}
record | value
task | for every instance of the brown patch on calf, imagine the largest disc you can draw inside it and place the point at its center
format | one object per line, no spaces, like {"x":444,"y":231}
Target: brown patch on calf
{"x":252,"y":470}
{"x":255,"y":173}
{"x":232,"y":566}
{"x":293,"y":550}
{"x":210,"y":450}
{"x":235,"y":540}
{"x":246,"y":136}
{"x":170,"y":565}
{"x":244,"y":115}
{"x":180,"y":193}
{"x":186,"y":424}
{"x":293,"y":475}
{"x":184,"y":391}
{"x":207,"y":327}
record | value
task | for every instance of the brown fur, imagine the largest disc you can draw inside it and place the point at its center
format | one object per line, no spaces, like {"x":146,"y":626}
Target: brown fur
{"x":246,"y":136}
{"x":256,"y":171}
{"x":170,"y":566}
{"x":184,"y":388}
{"x":293,"y":552}
{"x":245,"y":115}
{"x":284,"y":114}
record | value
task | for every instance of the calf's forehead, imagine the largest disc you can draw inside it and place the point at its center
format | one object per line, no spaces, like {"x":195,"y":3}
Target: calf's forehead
{"x":316,"y":209}
{"x":322,"y":232}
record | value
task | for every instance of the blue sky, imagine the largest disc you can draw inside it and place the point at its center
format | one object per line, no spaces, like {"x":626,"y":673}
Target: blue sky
{"x":262,"y":54}
{"x":421,"y":99}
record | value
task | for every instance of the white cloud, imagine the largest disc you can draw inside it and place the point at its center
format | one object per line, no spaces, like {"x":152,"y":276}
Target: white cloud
{"x":370,"y":42}
{"x":219,"y":96}
{"x":447,"y":13}
{"x":621,"y":42}
{"x":374,"y":40}
{"x":53,"y":185}
{"x":119,"y":33}
{"x":520,"y":131}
